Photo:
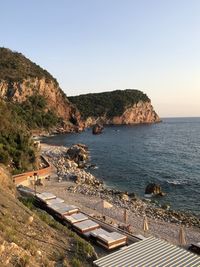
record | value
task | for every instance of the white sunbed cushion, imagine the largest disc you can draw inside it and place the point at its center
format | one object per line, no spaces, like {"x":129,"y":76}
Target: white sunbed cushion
{"x":117,"y":236}
{"x":54,"y":201}
{"x":45,"y":196}
{"x":106,"y":238}
{"x":59,"y":205}
{"x":99,"y":231}
{"x":87,"y":224}
{"x":74,"y":218}
{"x":111,"y":237}
{"x":63,"y":208}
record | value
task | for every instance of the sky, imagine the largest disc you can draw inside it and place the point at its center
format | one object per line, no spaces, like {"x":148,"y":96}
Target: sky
{"x":103,"y":45}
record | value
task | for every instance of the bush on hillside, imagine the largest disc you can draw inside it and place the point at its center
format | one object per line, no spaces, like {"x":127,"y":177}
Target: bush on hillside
{"x":35,"y":113}
{"x":16,"y":147}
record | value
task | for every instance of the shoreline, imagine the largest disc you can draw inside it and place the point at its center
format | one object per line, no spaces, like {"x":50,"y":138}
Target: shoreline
{"x":86,"y":191}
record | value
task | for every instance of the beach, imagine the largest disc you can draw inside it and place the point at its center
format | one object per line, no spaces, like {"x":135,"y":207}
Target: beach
{"x":78,"y":187}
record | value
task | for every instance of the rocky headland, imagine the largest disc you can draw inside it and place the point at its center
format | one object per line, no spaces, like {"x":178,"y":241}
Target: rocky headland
{"x":116,"y":107}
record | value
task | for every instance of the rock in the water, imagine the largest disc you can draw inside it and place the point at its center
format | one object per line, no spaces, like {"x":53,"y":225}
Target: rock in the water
{"x":154,"y":189}
{"x":97,"y":129}
{"x":78,"y":153}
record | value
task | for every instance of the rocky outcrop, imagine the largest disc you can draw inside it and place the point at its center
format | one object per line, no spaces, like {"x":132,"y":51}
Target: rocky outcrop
{"x":129,"y":106}
{"x":78,"y":153}
{"x":56,"y":99}
{"x":97,"y":129}
{"x":154,"y":189}
{"x":142,"y":112}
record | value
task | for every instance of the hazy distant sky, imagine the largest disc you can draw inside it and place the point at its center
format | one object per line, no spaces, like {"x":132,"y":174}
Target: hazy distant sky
{"x":102,"y":45}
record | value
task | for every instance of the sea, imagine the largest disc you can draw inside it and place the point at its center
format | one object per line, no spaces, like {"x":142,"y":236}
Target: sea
{"x":128,"y":158}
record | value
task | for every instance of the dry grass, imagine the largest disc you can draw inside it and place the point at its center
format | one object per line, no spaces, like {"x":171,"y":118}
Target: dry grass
{"x":44,"y":242}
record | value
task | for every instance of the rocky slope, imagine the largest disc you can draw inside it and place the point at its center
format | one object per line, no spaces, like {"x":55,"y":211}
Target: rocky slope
{"x":117,"y":107}
{"x":30,"y":237}
{"x":21,"y":78}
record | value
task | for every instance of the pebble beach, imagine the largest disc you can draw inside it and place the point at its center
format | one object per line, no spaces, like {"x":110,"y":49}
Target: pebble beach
{"x":79,"y":187}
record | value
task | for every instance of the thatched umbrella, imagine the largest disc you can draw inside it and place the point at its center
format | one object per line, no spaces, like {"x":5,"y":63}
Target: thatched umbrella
{"x":145,"y":224}
{"x":182,"y":240}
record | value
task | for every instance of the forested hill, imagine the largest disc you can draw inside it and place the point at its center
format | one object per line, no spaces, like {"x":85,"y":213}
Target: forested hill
{"x":117,"y":107}
{"x":15,"y":67}
{"x":110,"y":103}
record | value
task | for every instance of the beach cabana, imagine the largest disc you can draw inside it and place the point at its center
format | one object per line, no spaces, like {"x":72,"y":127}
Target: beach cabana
{"x":85,"y":226}
{"x":45,"y":196}
{"x":150,"y":252}
{"x":108,"y":240}
{"x":75,"y":218}
{"x":64,"y":209}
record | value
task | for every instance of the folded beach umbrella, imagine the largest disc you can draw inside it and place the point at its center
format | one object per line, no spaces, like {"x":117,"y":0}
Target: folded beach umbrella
{"x":145,"y":224}
{"x":106,"y":205}
{"x":125,"y":216}
{"x":182,"y":240}
{"x":103,"y":204}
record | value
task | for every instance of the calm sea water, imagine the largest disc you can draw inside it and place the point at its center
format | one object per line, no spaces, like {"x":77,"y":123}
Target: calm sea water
{"x":129,"y":157}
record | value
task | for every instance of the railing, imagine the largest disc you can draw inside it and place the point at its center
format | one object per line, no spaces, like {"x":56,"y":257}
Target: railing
{"x":23,"y":177}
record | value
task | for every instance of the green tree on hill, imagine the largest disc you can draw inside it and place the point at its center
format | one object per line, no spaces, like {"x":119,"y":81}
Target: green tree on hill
{"x":16,"y":147}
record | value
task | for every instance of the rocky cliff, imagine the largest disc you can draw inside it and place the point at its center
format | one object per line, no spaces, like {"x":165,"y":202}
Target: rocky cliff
{"x":117,"y":107}
{"x":142,"y":112}
{"x":21,"y":78}
{"x":56,"y":99}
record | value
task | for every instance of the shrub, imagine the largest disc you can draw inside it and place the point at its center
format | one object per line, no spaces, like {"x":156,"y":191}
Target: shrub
{"x":76,"y":262}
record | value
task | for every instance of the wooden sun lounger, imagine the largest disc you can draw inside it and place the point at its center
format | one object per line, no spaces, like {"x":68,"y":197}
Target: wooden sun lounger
{"x":54,"y":201}
{"x":109,"y":240}
{"x":75,"y":218}
{"x":85,"y":226}
{"x":64,"y":209}
{"x":45,"y":196}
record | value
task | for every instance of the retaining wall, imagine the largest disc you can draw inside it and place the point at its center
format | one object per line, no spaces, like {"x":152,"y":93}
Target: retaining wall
{"x":27,"y":178}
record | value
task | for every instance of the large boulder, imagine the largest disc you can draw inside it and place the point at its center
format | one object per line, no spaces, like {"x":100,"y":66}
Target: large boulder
{"x":78,"y":153}
{"x":97,"y":129}
{"x":154,"y":189}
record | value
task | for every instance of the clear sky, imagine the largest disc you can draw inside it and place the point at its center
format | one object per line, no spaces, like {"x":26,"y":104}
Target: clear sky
{"x":103,"y":45}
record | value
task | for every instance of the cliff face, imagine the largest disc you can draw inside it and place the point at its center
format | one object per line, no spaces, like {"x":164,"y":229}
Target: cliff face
{"x":21,"y":78}
{"x":128,"y":106}
{"x":56,"y":99}
{"x":142,"y":112}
